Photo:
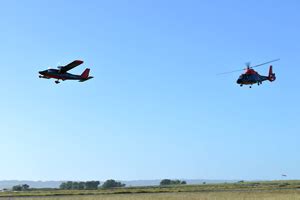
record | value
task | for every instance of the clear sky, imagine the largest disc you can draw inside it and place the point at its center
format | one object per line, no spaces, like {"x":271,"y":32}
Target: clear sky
{"x":156,"y":108}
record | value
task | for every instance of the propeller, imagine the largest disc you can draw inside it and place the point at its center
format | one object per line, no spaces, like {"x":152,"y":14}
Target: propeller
{"x":248,"y":65}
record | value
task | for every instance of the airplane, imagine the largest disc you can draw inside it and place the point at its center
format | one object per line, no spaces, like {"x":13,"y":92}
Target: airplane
{"x":62,"y":73}
{"x":251,"y":77}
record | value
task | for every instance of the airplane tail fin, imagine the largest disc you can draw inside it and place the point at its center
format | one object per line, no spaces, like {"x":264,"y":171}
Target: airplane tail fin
{"x":85,"y":74}
{"x":271,"y":76}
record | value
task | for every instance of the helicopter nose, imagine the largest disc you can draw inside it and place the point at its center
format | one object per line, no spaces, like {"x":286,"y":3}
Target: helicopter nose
{"x":41,"y":72}
{"x":239,"y":81}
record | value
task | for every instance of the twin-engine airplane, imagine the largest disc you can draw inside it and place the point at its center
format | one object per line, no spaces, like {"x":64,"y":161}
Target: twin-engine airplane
{"x":61,"y":73}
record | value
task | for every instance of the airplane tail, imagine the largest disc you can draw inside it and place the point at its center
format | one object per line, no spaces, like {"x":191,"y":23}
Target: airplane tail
{"x":271,"y":76}
{"x":85,"y":75}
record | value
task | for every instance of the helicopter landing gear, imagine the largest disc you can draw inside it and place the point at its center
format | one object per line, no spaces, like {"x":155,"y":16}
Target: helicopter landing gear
{"x":57,"y":82}
{"x":250,"y":86}
{"x":241,"y":85}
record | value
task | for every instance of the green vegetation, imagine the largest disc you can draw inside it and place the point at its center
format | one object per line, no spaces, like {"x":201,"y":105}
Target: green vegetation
{"x":71,"y":185}
{"x":112,"y":184}
{"x":24,"y":187}
{"x":171,"y":182}
{"x":244,"y":188}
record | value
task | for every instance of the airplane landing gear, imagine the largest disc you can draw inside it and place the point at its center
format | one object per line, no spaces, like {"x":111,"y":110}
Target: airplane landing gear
{"x":57,"y":82}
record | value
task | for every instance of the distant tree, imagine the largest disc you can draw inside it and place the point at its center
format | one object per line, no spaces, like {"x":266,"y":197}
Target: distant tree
{"x":66,"y":185}
{"x":92,"y":185}
{"x":81,"y":185}
{"x":17,"y":188}
{"x":112,"y":184}
{"x":25,"y":187}
{"x":165,"y":182}
{"x":175,"y":182}
{"x":75,"y":186}
{"x":69,"y":185}
{"x":62,"y":186}
{"x":171,"y":182}
{"x":204,"y":183}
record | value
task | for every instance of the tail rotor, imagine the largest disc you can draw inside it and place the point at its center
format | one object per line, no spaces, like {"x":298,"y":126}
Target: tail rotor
{"x":271,"y":75}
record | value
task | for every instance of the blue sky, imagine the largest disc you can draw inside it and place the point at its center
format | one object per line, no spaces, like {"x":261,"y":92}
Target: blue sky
{"x":156,"y":108}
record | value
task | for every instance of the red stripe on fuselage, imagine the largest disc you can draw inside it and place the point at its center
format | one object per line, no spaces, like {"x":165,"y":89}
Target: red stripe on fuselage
{"x":54,"y":76}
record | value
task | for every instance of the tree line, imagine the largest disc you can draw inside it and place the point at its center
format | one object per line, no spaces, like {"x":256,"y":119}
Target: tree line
{"x":165,"y":182}
{"x":90,"y":185}
{"x":94,"y":185}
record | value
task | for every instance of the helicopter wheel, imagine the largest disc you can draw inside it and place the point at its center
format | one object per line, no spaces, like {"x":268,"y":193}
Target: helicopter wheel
{"x":57,"y":82}
{"x":241,"y":85}
{"x":250,"y":86}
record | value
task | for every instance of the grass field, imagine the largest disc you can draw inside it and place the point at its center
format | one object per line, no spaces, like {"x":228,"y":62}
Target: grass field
{"x":254,"y":195}
{"x":274,"y":190}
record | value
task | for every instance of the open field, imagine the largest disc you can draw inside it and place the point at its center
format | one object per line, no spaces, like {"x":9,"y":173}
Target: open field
{"x":248,"y":190}
{"x":254,"y":195}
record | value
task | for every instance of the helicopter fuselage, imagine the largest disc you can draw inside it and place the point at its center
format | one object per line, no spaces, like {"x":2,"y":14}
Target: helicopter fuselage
{"x":251,"y":77}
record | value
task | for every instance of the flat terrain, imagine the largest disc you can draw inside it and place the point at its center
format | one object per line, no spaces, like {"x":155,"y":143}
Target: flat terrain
{"x":285,"y":195}
{"x":275,"y":190}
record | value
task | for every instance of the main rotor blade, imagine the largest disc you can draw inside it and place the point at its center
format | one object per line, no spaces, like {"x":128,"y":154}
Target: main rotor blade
{"x":265,"y":63}
{"x":248,"y":65}
{"x":238,"y":70}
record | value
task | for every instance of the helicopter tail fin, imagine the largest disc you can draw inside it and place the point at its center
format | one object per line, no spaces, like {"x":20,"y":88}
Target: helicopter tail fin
{"x":271,"y":76}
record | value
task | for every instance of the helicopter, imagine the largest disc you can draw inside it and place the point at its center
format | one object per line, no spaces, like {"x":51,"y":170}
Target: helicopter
{"x":250,"y":76}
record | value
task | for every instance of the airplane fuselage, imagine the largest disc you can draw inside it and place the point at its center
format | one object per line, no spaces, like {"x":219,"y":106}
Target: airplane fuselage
{"x":55,"y":73}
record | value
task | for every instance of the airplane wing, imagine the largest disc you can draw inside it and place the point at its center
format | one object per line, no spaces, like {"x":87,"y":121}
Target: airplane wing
{"x":70,"y":66}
